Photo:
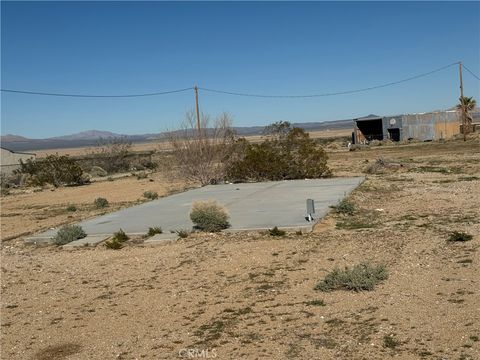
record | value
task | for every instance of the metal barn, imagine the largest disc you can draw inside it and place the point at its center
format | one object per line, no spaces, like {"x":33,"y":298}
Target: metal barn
{"x":423,"y":126}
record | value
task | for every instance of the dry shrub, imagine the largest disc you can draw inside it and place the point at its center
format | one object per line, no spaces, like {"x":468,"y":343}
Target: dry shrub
{"x":68,"y":233}
{"x":112,"y":154}
{"x":154,"y":230}
{"x":334,"y":146}
{"x":382,"y":165}
{"x":363,"y":276}
{"x":203,"y":155}
{"x":100,"y":203}
{"x":345,"y":207}
{"x":151,"y":195}
{"x":97,"y":171}
{"x":276,"y":232}
{"x":209,"y":216}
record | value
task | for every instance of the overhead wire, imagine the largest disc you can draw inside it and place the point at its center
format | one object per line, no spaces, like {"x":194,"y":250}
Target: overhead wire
{"x":95,"y":96}
{"x":332,"y":93}
{"x":241,"y":93}
{"x":471,"y":72}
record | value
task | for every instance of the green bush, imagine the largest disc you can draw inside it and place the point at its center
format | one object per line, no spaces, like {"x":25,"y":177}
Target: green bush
{"x":458,"y":236}
{"x":363,"y":276}
{"x":154,"y":230}
{"x":209,"y":216}
{"x":71,"y":208}
{"x":288,"y":155}
{"x":100,"y":203}
{"x":54,"y":169}
{"x":120,"y":236}
{"x":68,"y":233}
{"x":151,"y":195}
{"x":276,"y":232}
{"x":345,"y":207}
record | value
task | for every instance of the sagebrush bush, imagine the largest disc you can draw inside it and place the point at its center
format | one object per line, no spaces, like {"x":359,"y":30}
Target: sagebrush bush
{"x":345,"y":207}
{"x":209,"y":216}
{"x":154,"y":230}
{"x":363,"y":276}
{"x":68,"y":233}
{"x":120,"y":236}
{"x":100,"y":203}
{"x":151,"y":195}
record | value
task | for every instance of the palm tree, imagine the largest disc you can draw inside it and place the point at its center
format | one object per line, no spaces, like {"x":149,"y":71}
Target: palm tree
{"x":467,"y":104}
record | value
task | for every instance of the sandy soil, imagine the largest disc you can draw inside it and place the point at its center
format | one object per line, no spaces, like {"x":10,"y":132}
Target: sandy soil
{"x":249,"y":295}
{"x":34,"y":210}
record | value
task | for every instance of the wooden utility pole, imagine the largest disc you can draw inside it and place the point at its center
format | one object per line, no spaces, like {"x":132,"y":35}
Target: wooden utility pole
{"x":462,"y":105}
{"x":198,"y":111}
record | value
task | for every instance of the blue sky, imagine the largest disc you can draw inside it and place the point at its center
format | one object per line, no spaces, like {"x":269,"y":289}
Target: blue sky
{"x":265,"y":47}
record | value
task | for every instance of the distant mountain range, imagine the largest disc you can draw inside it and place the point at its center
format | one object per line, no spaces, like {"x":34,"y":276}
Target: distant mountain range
{"x":92,"y":137}
{"x":88,"y":135}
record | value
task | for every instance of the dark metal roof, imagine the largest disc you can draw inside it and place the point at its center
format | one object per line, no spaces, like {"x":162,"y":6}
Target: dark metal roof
{"x":369,"y":117}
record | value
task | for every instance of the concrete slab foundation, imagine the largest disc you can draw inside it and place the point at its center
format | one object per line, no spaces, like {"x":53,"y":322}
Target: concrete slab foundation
{"x":255,"y":206}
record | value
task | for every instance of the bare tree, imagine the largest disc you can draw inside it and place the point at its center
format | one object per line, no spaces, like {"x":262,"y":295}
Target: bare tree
{"x":203,"y":155}
{"x":112,"y":154}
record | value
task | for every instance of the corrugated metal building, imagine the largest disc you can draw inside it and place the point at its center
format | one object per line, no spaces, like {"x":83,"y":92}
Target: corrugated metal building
{"x":10,"y":160}
{"x":424,"y":126}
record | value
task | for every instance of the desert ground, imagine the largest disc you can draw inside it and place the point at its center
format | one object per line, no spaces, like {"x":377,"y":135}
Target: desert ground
{"x":252,"y":295}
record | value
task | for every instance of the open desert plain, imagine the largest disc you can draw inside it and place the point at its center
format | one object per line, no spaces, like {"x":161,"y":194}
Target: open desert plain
{"x":251,"y":295}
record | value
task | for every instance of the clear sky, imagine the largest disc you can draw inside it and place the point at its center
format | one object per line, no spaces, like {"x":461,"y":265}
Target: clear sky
{"x":254,"y":47}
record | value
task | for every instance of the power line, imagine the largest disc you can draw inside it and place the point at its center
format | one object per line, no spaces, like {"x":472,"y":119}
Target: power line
{"x":333,"y":93}
{"x":239,"y":93}
{"x":95,"y":96}
{"x":470,"y":71}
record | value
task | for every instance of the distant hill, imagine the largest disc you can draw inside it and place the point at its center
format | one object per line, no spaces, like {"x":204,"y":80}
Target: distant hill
{"x":92,"y":137}
{"x":10,"y":137}
{"x":88,"y":135}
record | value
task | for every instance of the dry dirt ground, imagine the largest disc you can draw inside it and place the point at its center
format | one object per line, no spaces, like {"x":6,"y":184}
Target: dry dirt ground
{"x":29,"y":211}
{"x":251,"y":295}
